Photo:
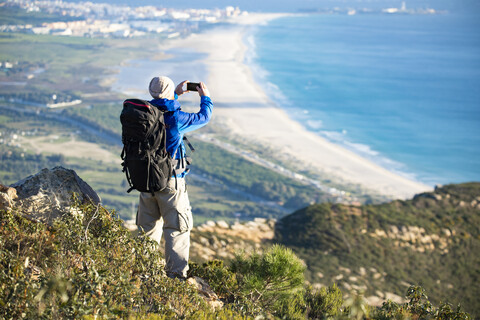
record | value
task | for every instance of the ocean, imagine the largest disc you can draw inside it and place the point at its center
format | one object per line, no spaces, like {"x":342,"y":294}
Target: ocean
{"x":400,"y":90}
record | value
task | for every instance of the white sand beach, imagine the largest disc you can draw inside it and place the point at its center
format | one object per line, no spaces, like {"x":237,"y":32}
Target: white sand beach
{"x":243,"y":107}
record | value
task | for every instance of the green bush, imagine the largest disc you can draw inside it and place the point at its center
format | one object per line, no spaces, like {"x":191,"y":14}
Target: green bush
{"x":221,"y":280}
{"x":271,"y":279}
{"x":86,"y":264}
{"x":325,"y":303}
{"x":419,"y":307}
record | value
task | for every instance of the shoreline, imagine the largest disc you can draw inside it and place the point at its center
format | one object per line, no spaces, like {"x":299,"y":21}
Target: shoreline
{"x":243,"y":108}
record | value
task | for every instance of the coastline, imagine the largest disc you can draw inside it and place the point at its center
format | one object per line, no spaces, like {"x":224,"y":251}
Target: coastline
{"x":242,"y":108}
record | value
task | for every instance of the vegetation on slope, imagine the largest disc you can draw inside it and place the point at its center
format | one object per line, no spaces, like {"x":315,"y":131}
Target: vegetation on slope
{"x":432,"y":240}
{"x":88,"y":265}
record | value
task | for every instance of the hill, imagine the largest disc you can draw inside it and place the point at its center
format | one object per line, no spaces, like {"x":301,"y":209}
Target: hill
{"x":64,"y":256}
{"x":432,"y":240}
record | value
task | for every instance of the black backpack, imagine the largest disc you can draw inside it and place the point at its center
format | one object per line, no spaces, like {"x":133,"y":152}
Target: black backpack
{"x":146,"y":162}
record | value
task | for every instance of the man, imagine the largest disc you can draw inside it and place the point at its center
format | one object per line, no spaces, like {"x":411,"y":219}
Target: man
{"x":170,"y":209}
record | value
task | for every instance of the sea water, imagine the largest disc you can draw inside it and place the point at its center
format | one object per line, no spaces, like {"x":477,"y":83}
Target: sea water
{"x":400,"y":90}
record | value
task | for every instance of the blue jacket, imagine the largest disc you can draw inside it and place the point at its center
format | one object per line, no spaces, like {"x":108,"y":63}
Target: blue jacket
{"x":178,"y":123}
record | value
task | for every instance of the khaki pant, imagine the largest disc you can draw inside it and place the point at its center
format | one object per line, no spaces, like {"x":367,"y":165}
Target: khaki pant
{"x":169,"y":211}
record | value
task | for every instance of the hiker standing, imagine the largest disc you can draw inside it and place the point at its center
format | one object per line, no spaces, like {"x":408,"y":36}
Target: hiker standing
{"x":169,"y":210}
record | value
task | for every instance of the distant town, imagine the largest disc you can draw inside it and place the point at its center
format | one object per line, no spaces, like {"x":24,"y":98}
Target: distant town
{"x":87,"y":19}
{"x":403,"y":9}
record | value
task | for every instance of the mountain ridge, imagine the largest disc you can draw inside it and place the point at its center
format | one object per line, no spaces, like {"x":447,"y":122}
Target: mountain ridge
{"x":429,"y":240}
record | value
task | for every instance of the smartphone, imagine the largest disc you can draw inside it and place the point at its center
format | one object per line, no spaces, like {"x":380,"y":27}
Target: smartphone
{"x":192,"y":86}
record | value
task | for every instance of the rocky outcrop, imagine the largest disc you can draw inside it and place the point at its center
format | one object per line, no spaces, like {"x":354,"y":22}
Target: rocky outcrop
{"x":206,"y":292}
{"x":48,"y":194}
{"x":258,"y":230}
{"x":7,"y":197}
{"x":220,"y":240}
{"x":416,"y":238}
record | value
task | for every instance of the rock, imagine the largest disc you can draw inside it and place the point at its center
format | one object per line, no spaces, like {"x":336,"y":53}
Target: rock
{"x":377,"y":276}
{"x":380,"y":233}
{"x":338,"y":277}
{"x":7,"y":197}
{"x":222,"y":224}
{"x":130,"y":225}
{"x":394,"y":297}
{"x":210,"y":223}
{"x":447,"y":232}
{"x":394,"y":229}
{"x":260,"y":220}
{"x":374,"y":301}
{"x":48,"y":194}
{"x":362,"y":271}
{"x":206,"y":292}
{"x":343,"y":269}
{"x":379,"y":293}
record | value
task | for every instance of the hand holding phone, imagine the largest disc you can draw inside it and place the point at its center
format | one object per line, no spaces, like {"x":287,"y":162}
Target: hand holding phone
{"x":203,"y":90}
{"x":192,"y":86}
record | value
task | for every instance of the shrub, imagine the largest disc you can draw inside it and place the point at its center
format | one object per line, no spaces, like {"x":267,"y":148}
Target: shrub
{"x":221,"y":280}
{"x":87,"y":264}
{"x":325,"y":303}
{"x":418,"y":308}
{"x":269,"y":280}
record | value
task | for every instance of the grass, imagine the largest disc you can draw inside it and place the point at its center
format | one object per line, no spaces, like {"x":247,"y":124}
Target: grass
{"x":15,"y":16}
{"x":69,"y":60}
{"x":4,"y":119}
{"x":46,"y":48}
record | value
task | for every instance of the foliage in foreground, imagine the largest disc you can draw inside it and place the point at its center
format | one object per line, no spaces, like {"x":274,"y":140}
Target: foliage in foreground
{"x":255,"y":291}
{"x":88,"y":265}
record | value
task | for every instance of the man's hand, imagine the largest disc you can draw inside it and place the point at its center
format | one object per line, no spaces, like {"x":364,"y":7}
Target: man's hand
{"x":203,"y":90}
{"x":179,"y":89}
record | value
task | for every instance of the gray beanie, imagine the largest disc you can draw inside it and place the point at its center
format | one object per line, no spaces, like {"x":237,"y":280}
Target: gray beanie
{"x":162,"y":88}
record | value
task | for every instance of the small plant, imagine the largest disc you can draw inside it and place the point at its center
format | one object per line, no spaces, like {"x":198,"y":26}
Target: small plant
{"x":222,"y":280}
{"x":325,"y":303}
{"x":419,"y":304}
{"x":418,"y":308}
{"x":446,"y":312}
{"x":271,"y":279}
{"x":356,"y":308}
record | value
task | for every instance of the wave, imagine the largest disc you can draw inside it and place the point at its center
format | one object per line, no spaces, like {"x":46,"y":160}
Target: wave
{"x":304,"y":116}
{"x":365,"y":151}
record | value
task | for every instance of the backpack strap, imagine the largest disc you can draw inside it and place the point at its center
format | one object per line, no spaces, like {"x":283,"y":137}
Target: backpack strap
{"x":188,"y":143}
{"x":125,"y":169}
